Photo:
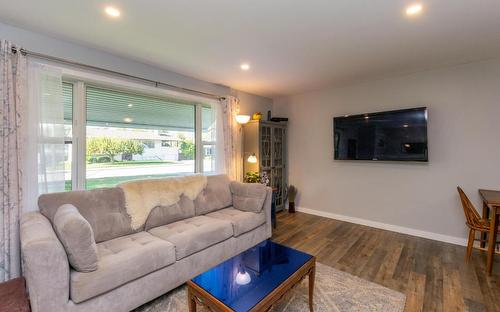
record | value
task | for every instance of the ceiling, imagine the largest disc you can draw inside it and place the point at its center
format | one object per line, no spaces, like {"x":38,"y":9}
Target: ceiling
{"x":292,"y":46}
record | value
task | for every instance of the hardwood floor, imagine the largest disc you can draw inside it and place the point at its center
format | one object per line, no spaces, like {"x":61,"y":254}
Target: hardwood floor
{"x":432,"y":274}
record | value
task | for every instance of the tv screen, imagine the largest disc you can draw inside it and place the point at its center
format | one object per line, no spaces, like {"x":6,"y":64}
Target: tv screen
{"x":399,"y":135}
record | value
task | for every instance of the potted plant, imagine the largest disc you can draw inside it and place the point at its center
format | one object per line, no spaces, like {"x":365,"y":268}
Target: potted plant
{"x":292,"y":194}
{"x":252,"y":177}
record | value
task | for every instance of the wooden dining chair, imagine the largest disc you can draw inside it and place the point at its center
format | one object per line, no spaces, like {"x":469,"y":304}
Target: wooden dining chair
{"x":474,"y":222}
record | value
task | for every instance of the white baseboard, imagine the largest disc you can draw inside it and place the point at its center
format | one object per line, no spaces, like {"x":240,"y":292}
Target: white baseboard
{"x":389,"y":227}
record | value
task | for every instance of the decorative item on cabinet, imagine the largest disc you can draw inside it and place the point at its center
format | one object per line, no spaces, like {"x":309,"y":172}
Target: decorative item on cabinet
{"x":257,"y":116}
{"x":267,"y":140}
{"x":279,"y":119}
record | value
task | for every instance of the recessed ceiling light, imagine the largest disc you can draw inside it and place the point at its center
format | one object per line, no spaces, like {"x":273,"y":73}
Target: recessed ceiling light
{"x":128,"y":119}
{"x":406,"y":125}
{"x":111,"y":11}
{"x":245,"y":66}
{"x":130,"y":105}
{"x":414,"y":9}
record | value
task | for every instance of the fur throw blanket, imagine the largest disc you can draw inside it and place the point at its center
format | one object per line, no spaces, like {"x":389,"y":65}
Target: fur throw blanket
{"x":142,"y":196}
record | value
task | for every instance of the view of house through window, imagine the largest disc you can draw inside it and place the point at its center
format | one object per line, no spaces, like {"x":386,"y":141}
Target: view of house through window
{"x":132,"y":136}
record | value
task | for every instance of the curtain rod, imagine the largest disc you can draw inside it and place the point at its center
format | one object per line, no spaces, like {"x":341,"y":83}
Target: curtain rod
{"x":157,"y":84}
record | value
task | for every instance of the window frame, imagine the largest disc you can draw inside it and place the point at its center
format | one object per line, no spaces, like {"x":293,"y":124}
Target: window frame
{"x":69,"y":140}
{"x":79,"y":116}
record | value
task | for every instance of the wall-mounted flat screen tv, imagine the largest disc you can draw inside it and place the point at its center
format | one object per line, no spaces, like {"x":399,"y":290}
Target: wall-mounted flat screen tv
{"x":399,"y":135}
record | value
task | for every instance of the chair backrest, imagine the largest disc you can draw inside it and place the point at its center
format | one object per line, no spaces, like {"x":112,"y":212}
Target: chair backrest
{"x":471,"y":214}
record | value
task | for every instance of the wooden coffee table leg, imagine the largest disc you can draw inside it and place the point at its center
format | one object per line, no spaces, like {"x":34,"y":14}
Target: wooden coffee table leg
{"x":312,"y":274}
{"x":191,"y":301}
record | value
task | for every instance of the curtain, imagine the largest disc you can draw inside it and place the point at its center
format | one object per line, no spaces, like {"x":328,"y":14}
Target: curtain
{"x":213,"y":135}
{"x":232,"y":139}
{"x":12,"y":82}
{"x":45,"y":150}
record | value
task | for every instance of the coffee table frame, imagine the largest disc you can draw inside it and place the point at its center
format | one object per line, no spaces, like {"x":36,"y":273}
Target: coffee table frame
{"x":197,"y":295}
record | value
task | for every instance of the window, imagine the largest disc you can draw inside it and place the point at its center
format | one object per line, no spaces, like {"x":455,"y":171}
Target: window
{"x":148,"y":143}
{"x":208,"y":138}
{"x":68,"y":134}
{"x":170,"y":143}
{"x":126,"y":136}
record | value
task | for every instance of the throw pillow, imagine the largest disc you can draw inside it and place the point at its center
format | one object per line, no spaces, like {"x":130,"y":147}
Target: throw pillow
{"x":77,"y":237}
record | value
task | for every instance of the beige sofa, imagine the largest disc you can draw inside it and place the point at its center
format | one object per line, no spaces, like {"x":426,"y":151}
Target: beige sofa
{"x":138,"y":260}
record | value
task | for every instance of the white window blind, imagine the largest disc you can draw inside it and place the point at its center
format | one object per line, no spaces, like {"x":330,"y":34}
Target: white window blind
{"x":115,"y":108}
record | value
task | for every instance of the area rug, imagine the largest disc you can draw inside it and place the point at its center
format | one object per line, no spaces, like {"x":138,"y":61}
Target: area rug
{"x":334,"y":291}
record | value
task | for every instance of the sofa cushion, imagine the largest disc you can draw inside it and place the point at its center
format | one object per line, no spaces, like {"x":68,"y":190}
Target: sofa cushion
{"x":242,"y":221}
{"x":194,"y":234}
{"x":162,"y":215}
{"x":215,"y":196}
{"x":122,"y":260}
{"x":103,"y":208}
{"x":248,"y":196}
{"x":77,"y":237}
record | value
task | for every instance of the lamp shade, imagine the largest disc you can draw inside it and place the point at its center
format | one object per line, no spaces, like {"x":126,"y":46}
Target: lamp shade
{"x":242,"y":119}
{"x":252,"y":159}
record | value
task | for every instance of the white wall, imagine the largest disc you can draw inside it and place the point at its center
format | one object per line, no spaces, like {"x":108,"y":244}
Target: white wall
{"x":464,"y":149}
{"x":250,"y":103}
{"x":43,"y":44}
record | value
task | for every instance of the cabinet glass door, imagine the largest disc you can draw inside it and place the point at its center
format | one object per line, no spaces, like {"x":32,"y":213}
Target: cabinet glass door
{"x":278,"y":165}
{"x":265,"y":140}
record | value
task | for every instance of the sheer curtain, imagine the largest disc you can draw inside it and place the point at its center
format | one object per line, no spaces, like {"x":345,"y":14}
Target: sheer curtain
{"x":214,"y":135}
{"x":232,"y":138}
{"x":12,"y":84}
{"x":44,"y":155}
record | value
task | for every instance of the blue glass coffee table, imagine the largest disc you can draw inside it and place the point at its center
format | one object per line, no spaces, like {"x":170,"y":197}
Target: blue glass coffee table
{"x":255,"y":280}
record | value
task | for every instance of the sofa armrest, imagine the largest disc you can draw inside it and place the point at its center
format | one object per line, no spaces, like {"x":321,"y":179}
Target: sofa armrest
{"x":248,"y":196}
{"x":267,"y":211}
{"x":45,"y":264}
